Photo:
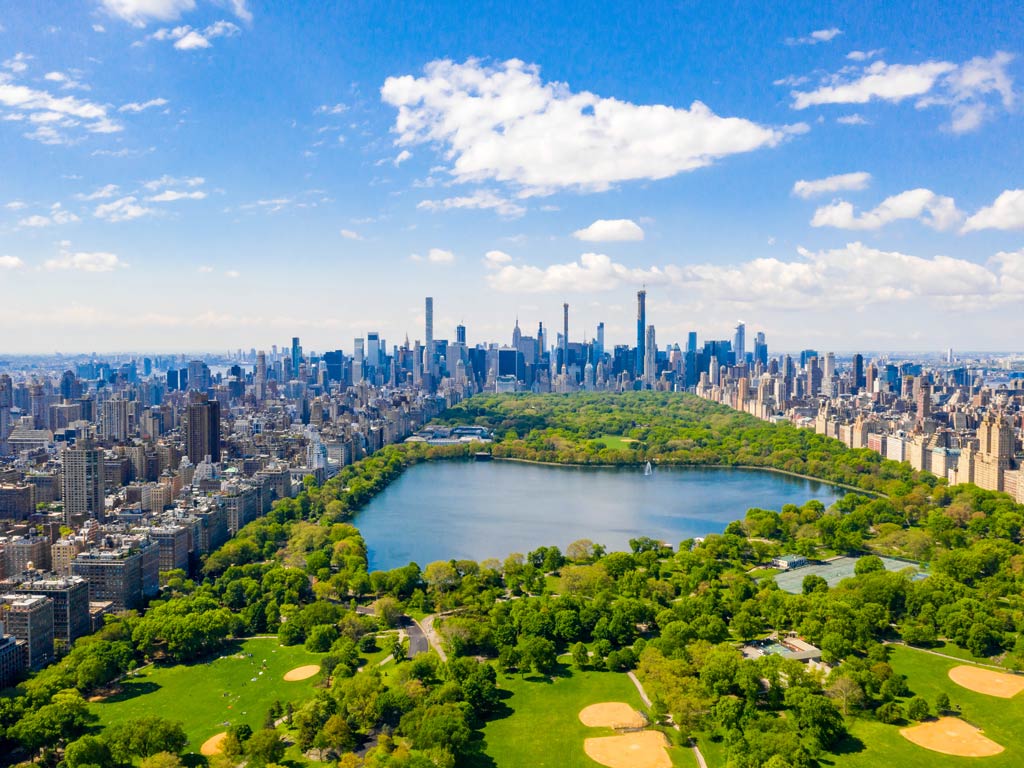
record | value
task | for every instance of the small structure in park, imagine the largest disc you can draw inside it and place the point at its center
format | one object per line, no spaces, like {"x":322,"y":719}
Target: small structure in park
{"x":789,"y":647}
{"x":789,"y":562}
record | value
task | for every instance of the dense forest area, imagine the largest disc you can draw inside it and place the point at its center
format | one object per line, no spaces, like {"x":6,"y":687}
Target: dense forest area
{"x":675,"y":612}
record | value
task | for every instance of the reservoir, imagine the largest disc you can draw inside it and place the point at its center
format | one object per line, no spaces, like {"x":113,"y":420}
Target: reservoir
{"x":443,"y":510}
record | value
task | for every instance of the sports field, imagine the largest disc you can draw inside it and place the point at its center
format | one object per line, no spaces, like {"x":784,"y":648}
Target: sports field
{"x":235,"y":688}
{"x":834,"y":571}
{"x":543,"y":727}
{"x":877,"y":744}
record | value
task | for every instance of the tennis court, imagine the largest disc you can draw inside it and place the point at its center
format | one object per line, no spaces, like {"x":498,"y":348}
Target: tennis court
{"x":834,"y":571}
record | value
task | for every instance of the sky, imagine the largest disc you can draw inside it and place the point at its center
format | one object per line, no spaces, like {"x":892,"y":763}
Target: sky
{"x":205,"y":175}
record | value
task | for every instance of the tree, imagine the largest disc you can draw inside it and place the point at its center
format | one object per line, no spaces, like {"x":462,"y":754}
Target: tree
{"x":580,"y":550}
{"x":265,"y":746}
{"x":87,"y":751}
{"x":580,"y":655}
{"x":397,"y":648}
{"x":161,"y":760}
{"x":388,"y":612}
{"x":917,"y":709}
{"x":868,"y":564}
{"x":942,"y":703}
{"x":847,"y":693}
{"x":890,"y":712}
{"x":337,"y":735}
{"x":321,"y":638}
{"x":813,"y":583}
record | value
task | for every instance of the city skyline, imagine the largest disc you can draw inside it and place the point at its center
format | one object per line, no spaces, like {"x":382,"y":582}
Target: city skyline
{"x":192,"y":175}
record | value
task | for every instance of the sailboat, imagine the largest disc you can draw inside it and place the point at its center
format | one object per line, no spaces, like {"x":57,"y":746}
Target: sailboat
{"x":648,"y":470}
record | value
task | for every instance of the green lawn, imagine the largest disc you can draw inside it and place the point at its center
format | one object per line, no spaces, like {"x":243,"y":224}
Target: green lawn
{"x":876,"y":744}
{"x":616,"y":442}
{"x":542,"y":725}
{"x":206,"y":696}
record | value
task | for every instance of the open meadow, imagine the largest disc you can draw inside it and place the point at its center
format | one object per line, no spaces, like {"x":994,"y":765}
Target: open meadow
{"x":239,"y":686}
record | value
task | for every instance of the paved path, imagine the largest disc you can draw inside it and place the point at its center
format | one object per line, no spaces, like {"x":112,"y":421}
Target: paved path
{"x":426,"y":628}
{"x":647,"y":701}
{"x":951,"y":658}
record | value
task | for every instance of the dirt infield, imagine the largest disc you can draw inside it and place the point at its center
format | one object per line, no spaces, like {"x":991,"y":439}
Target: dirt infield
{"x":612,"y":714}
{"x":211,"y":746}
{"x":951,"y":736}
{"x":301,"y":673}
{"x":987,"y":681}
{"x":643,"y":749}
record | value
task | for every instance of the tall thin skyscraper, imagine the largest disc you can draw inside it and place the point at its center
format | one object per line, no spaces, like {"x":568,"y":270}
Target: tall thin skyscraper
{"x":460,"y":334}
{"x":296,"y":356}
{"x":599,"y":352}
{"x":650,"y":357}
{"x":202,"y":430}
{"x":565,"y":336}
{"x":691,"y":341}
{"x":82,"y":483}
{"x":428,"y":354}
{"x":739,"y":344}
{"x":641,"y":328}
{"x":358,"y":361}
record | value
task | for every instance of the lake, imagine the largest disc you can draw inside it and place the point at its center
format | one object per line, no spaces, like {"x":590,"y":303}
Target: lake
{"x":442,"y":510}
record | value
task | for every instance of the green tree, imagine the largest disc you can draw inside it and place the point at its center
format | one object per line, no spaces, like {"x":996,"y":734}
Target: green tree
{"x":580,"y":655}
{"x":264,"y":747}
{"x":87,"y":751}
{"x":917,"y":709}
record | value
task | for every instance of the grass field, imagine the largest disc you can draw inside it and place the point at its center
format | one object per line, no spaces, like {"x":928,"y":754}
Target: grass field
{"x":616,"y":443}
{"x":542,"y":726}
{"x":205,"y":696}
{"x":875,"y":744}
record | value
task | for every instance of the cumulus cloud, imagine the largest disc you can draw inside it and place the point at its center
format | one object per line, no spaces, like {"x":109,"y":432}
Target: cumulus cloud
{"x":496,"y":259}
{"x":57,"y":215}
{"x":970,"y":90}
{"x":171,"y":195}
{"x":401,"y":157}
{"x":817,"y":36}
{"x":52,"y":118}
{"x":83,"y":261}
{"x":863,"y":55}
{"x":11,"y":262}
{"x":142,"y":106}
{"x":482,"y":198}
{"x":1007,"y":212}
{"x":610,"y":230}
{"x":593,"y":272}
{"x":502,"y":122}
{"x":435,"y":256}
{"x":102,"y":193}
{"x":349,"y":234}
{"x":123,"y":209}
{"x":65,"y":81}
{"x":840,"y":182}
{"x":853,"y":119}
{"x":139,"y":12}
{"x":936,"y":211}
{"x":173,"y":181}
{"x":17,"y":63}
{"x":331,"y":109}
{"x":187,"y":38}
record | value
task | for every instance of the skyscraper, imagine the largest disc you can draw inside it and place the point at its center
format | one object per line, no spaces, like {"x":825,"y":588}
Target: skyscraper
{"x":650,"y":357}
{"x":115,"y":419}
{"x":428,"y":354}
{"x":358,"y":361}
{"x":691,"y":341}
{"x":565,"y":336}
{"x":739,"y":344}
{"x":202,"y":429}
{"x":641,"y":328}
{"x":460,"y":334}
{"x":82,"y":482}
{"x":599,"y":352}
{"x":296,"y":356}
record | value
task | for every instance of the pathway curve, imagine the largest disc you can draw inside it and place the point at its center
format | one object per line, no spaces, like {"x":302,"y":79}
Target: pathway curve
{"x":647,"y":702}
{"x":951,"y":658}
{"x":426,"y":627}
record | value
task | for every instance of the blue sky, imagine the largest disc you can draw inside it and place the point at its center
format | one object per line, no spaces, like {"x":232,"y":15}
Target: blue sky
{"x":209,"y":174}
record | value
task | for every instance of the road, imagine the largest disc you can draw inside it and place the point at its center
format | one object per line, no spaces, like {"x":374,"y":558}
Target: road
{"x":418,"y":642}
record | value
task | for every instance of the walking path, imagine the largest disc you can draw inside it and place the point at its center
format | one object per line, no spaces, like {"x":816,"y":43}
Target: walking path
{"x":647,"y":702}
{"x":952,"y":658}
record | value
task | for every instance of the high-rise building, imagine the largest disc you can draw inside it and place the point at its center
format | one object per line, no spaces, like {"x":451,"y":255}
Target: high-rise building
{"x":115,"y":421}
{"x":202,"y":429}
{"x":70,"y":598}
{"x":650,"y":357}
{"x":428,"y":350}
{"x":125,"y":575}
{"x":460,"y":334}
{"x":859,"y":381}
{"x":83,"y":483}
{"x":565,"y":336}
{"x":30,"y":619}
{"x":6,"y":403}
{"x":296,"y":356}
{"x":197,"y":376}
{"x":599,"y":352}
{"x":641,"y":329}
{"x":739,"y":344}
{"x":691,"y":342}
{"x":760,"y":349}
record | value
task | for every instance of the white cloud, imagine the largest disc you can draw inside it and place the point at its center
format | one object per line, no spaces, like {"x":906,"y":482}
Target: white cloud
{"x":504,"y":123}
{"x":82,"y":261}
{"x":593,"y":272}
{"x":853,"y":119}
{"x":331,"y":109}
{"x":15,"y":205}
{"x":136,"y":106}
{"x":239,"y":8}
{"x":401,"y":157}
{"x":838,"y":183}
{"x":349,"y":234}
{"x":187,"y":38}
{"x":1007,"y":212}
{"x":17,"y":63}
{"x":11,"y":262}
{"x":57,"y":215}
{"x":53,"y":116}
{"x":482,"y":198}
{"x":817,"y":36}
{"x":124,"y":209}
{"x":205,"y":269}
{"x":496,"y":259}
{"x":171,"y":195}
{"x":970,"y":90}
{"x":67,"y":82}
{"x":610,"y":230}
{"x":172,"y":181}
{"x":864,"y":55}
{"x":139,"y":12}
{"x":936,"y":211}
{"x":435,"y":256}
{"x":98,"y":28}
{"x":102,"y":193}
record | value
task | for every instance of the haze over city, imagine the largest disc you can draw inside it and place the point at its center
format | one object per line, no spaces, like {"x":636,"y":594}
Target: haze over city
{"x":199,"y":175}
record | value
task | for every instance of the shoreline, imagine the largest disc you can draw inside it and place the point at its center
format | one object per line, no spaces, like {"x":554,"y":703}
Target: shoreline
{"x":844,"y":486}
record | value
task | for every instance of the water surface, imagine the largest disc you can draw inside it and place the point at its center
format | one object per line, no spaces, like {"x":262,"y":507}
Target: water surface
{"x":441,"y":510}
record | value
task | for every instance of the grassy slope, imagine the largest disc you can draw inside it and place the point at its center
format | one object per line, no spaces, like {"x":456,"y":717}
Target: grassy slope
{"x":542,"y":727}
{"x":194,"y":693}
{"x":877,"y":744}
